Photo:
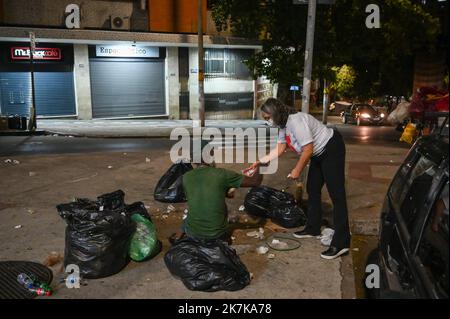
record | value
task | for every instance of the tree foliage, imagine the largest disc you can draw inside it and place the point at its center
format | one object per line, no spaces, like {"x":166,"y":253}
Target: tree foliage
{"x":343,"y":82}
{"x":382,"y":59}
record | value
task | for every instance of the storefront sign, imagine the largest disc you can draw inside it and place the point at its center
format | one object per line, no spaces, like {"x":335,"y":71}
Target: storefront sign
{"x":23,"y":53}
{"x":119,"y":51}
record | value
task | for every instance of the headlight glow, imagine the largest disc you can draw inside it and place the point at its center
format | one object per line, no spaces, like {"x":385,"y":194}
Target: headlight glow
{"x":365,"y":116}
{"x":382,"y":115}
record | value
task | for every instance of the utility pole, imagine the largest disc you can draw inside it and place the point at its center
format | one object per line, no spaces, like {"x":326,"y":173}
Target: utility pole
{"x":32,"y":123}
{"x":201,"y":65}
{"x":308,"y":55}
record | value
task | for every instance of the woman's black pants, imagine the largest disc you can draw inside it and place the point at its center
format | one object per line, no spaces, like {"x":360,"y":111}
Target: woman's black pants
{"x":329,"y":168}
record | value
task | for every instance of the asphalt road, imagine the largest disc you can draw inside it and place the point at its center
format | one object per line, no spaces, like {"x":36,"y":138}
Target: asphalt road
{"x":48,"y":144}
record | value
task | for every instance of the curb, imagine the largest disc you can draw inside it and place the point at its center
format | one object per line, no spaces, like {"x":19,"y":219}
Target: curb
{"x":23,"y":133}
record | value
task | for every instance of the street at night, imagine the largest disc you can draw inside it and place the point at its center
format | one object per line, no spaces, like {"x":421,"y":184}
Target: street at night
{"x":49,"y":144}
{"x":224,"y":158}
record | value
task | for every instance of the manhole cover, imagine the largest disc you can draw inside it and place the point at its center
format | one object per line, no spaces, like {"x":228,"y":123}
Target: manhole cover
{"x":9,"y":270}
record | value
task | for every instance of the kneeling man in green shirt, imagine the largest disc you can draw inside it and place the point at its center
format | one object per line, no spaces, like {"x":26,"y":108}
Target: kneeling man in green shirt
{"x":206,"y":188}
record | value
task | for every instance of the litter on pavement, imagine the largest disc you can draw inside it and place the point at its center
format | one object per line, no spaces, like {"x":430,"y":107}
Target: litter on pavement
{"x":259,"y":234}
{"x":53,"y":259}
{"x":326,"y":236}
{"x":10,"y":161}
{"x":279,"y":244}
{"x":262,"y":250}
{"x":170,"y":209}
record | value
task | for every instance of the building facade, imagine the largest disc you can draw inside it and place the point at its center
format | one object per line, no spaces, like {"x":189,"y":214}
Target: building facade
{"x":120,"y":59}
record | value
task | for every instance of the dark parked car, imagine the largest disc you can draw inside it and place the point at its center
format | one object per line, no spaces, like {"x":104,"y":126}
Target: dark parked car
{"x":413,"y":250}
{"x":362,"y":114}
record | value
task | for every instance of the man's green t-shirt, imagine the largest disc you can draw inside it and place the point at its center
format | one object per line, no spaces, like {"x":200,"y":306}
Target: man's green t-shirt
{"x":205,"y":188}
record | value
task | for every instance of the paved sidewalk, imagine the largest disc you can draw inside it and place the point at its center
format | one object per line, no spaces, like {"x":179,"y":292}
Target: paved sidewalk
{"x":29,"y":200}
{"x":133,"y":128}
{"x":139,"y":128}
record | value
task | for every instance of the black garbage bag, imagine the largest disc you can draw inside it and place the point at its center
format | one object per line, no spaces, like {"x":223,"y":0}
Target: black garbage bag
{"x":281,"y":207}
{"x":112,"y":200}
{"x":207,"y":265}
{"x":137,"y":208}
{"x":170,"y":188}
{"x":97,"y":239}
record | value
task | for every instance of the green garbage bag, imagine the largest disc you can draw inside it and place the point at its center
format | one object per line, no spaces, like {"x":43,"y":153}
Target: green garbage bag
{"x":144,"y":243}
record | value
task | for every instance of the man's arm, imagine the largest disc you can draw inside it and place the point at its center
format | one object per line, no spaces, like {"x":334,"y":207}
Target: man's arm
{"x":254,"y":180}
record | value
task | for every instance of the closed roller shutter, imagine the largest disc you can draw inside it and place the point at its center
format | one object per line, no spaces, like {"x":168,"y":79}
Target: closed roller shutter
{"x":15,"y":90}
{"x":54,"y":93}
{"x":124,"y":88}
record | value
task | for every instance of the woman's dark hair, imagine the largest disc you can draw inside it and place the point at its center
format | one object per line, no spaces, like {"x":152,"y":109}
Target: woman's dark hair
{"x":278,"y":110}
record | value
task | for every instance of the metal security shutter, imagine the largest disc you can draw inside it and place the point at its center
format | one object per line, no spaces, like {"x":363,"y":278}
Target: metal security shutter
{"x":122,"y":88}
{"x":54,"y":93}
{"x":15,"y":94}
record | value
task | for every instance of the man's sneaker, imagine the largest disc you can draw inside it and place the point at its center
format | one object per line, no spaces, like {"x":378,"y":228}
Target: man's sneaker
{"x":304,"y":234}
{"x":333,"y":252}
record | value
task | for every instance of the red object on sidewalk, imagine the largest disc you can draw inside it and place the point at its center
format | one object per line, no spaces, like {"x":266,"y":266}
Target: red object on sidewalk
{"x":428,"y":99}
{"x":442,"y":104}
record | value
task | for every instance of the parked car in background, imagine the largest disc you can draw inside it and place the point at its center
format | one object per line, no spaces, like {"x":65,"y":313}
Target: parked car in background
{"x":413,"y":251}
{"x":361,"y":114}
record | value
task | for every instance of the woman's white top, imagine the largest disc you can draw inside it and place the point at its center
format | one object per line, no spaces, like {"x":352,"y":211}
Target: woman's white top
{"x":302,"y":129}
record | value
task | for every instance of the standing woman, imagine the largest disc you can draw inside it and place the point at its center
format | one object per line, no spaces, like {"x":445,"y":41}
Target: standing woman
{"x":324,"y":148}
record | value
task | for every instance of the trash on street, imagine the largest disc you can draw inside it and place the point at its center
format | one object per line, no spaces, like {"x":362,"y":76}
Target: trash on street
{"x":262,"y":250}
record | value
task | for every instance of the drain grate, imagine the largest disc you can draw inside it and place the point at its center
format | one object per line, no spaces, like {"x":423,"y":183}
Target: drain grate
{"x":9,"y":270}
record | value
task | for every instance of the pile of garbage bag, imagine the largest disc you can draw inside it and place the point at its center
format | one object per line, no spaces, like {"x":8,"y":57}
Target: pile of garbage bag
{"x":170,"y":187}
{"x":400,"y":113}
{"x":425,"y":100}
{"x":280,"y":207}
{"x":101,"y":234}
{"x":207,"y":265}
